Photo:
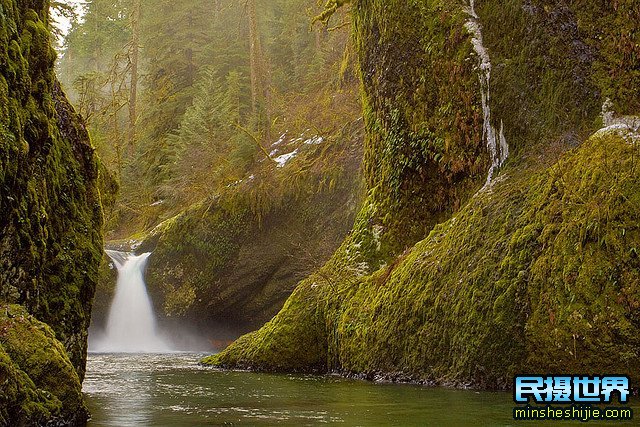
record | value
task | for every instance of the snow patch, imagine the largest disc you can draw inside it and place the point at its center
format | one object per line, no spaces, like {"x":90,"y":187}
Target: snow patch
{"x":316,"y":140}
{"x":627,"y":131}
{"x":235,"y":183}
{"x":280,"y":140}
{"x":361,"y":269}
{"x":283,"y":142}
{"x":607,"y":112}
{"x":283,"y":159}
{"x":376,"y":233}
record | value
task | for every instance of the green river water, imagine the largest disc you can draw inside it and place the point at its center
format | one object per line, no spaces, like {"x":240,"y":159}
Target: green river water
{"x":173,"y":390}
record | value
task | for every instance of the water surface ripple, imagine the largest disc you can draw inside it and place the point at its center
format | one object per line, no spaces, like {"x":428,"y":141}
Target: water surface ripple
{"x":173,"y":390}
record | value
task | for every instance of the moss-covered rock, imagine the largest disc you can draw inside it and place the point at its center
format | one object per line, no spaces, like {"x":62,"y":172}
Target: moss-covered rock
{"x":540,"y":273}
{"x":50,"y":238}
{"x":40,"y":385}
{"x":537,"y":272}
{"x":226,"y":265}
{"x":50,"y":222}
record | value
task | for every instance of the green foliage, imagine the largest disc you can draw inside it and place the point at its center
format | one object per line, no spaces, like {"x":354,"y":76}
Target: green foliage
{"x":208,"y":150}
{"x":196,"y":131}
{"x":175,"y":37}
{"x":330,"y":8}
{"x":94,"y":70}
{"x":60,"y":11}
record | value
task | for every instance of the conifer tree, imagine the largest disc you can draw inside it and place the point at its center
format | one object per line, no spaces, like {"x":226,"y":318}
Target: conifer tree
{"x":133,"y":57}
{"x":259,"y":73}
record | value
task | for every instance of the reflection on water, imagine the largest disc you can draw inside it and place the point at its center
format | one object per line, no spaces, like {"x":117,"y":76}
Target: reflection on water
{"x":125,"y":388}
{"x":172,"y":390}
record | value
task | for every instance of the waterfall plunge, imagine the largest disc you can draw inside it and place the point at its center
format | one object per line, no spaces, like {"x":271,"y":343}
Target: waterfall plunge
{"x":131,"y":326}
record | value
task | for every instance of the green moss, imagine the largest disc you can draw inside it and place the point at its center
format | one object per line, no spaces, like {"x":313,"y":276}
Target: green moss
{"x":51,"y":243}
{"x":292,"y":341}
{"x":424,"y":153}
{"x":105,"y":290}
{"x":192,"y":251}
{"x":21,"y":400}
{"x":543,"y":279}
{"x":540,"y":272}
{"x":554,"y":64}
{"x":611,"y":30}
{"x":39,"y":382}
{"x":109,"y":189}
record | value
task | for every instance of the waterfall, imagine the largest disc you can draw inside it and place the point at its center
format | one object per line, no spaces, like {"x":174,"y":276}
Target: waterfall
{"x":496,"y":142}
{"x":131,"y":326}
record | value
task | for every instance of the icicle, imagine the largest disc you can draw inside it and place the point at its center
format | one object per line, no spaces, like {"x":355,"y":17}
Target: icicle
{"x":497,"y":145}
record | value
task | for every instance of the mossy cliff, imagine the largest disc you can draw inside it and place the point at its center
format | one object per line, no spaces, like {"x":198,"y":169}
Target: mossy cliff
{"x":226,"y":265}
{"x":537,"y":272}
{"x":50,"y":211}
{"x":424,"y":153}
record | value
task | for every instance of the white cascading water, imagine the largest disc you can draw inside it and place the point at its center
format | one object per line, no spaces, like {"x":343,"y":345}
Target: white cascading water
{"x":131,"y":326}
{"x":496,"y":142}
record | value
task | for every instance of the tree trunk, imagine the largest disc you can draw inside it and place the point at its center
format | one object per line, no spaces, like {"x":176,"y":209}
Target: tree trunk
{"x":259,"y":90}
{"x":254,"y":54}
{"x":133,"y":95}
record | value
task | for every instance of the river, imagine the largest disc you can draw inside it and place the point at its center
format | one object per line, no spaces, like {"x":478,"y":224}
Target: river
{"x":173,"y":390}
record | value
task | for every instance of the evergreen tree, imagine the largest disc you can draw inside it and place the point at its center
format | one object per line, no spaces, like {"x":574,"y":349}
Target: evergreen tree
{"x":173,"y":36}
{"x":181,"y":97}
{"x":208,"y":149}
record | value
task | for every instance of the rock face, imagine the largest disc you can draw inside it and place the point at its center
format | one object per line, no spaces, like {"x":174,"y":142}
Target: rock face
{"x":50,"y":215}
{"x":40,"y":385}
{"x":443,"y":283}
{"x":226,"y":265}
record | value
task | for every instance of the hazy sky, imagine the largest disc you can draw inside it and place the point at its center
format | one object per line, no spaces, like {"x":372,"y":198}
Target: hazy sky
{"x":65,"y":24}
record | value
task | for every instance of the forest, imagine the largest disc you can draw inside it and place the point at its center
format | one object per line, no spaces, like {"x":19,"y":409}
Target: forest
{"x":182,"y":101}
{"x":211,"y":210}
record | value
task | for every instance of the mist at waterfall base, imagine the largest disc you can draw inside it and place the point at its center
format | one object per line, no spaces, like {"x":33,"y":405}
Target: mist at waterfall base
{"x":131,"y":325}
